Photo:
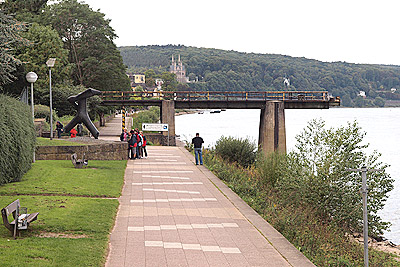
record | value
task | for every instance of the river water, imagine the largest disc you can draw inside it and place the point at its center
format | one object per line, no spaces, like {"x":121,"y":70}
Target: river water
{"x":382,"y":126}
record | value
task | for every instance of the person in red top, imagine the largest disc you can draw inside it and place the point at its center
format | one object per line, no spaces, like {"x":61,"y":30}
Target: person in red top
{"x":73,"y":133}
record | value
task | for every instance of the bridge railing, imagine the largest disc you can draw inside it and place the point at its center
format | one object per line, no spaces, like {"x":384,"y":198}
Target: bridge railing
{"x":218,"y":95}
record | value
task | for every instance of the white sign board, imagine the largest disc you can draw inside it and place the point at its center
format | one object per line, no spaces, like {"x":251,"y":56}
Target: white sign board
{"x":163,"y":127}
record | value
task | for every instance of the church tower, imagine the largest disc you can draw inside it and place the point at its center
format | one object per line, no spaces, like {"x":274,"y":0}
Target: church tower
{"x":179,"y":70}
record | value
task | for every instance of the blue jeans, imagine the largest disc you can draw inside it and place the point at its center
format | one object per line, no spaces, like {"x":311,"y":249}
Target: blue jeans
{"x":197,"y":153}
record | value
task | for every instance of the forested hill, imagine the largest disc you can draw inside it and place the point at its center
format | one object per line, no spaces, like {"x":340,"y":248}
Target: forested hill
{"x":219,"y":70}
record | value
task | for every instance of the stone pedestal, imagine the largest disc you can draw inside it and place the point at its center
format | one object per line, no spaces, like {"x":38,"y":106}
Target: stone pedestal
{"x":272,"y":133}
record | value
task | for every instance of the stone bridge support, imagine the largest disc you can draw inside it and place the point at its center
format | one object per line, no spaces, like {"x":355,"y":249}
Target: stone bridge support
{"x":272,"y":133}
{"x":167,"y":114}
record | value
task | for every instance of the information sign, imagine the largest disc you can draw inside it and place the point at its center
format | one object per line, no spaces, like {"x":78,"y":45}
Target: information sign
{"x":163,"y":127}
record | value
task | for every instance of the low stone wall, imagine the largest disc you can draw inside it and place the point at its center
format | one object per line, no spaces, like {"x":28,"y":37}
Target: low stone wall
{"x":103,"y":151}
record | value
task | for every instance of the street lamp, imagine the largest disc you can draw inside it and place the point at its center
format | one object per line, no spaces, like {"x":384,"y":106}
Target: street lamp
{"x":364,"y":191}
{"x":50,"y":63}
{"x":31,"y":77}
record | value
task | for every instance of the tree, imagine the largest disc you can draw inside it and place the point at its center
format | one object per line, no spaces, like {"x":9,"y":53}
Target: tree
{"x":10,"y":38}
{"x":346,"y":101}
{"x":359,"y":102}
{"x":150,"y":78}
{"x":318,"y":176}
{"x":379,"y":102}
{"x":88,"y":37}
{"x":170,"y":82}
{"x":44,"y":44}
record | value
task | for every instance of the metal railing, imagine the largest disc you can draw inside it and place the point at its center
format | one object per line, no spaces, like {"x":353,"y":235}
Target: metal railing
{"x":218,"y":95}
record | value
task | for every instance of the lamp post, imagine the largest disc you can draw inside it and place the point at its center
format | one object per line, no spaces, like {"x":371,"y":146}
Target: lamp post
{"x":50,"y":63}
{"x":364,"y":191}
{"x":31,"y":77}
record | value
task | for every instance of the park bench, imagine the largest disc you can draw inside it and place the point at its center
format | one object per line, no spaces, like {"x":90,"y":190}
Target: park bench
{"x":20,"y":214}
{"x":79,"y":163}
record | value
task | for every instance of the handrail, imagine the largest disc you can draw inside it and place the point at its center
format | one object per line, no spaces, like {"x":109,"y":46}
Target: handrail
{"x":218,"y":95}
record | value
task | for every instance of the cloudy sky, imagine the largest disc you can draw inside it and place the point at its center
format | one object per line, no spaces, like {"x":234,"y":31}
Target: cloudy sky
{"x":356,"y":31}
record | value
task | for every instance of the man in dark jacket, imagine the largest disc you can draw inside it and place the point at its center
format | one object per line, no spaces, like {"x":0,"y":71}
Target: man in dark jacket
{"x":59,"y":128}
{"x":197,"y":142}
{"x":132,"y":145}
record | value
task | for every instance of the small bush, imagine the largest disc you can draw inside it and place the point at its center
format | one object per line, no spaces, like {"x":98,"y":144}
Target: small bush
{"x":147,"y":116}
{"x":270,"y":168}
{"x":17,"y":141}
{"x":43,"y":112}
{"x":241,"y":151}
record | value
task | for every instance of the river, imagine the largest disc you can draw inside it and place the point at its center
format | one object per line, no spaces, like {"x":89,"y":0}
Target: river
{"x":381,"y":125}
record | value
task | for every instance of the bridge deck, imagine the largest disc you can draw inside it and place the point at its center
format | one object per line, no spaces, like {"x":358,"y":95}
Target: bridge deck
{"x":227,"y":100}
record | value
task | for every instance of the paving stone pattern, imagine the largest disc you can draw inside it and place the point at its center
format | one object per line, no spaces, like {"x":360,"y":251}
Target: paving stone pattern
{"x":174,"y":213}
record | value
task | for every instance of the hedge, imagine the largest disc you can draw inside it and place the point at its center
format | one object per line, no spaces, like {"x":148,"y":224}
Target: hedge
{"x":17,"y":140}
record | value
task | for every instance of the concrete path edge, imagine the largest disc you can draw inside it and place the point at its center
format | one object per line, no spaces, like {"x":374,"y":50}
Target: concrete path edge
{"x":276,"y":239}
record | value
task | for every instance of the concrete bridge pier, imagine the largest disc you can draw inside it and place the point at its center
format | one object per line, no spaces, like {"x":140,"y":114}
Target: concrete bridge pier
{"x":272,"y":132}
{"x":167,"y":115}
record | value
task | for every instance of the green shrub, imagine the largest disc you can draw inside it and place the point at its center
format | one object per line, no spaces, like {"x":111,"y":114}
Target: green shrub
{"x":270,"y":168}
{"x":323,"y":242}
{"x":43,"y":112}
{"x":241,"y":151}
{"x":317,"y":175}
{"x":147,"y":116}
{"x":17,"y":141}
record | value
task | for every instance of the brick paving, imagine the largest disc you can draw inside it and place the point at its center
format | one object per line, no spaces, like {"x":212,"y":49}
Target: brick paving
{"x":174,"y":213}
{"x":113,"y":128}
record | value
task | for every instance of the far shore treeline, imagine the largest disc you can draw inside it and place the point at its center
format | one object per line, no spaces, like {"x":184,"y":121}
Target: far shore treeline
{"x":220,"y":70}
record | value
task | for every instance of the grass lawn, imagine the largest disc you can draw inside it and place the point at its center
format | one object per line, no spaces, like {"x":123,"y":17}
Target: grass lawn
{"x":84,"y":222}
{"x":100,"y":178}
{"x":41,"y":141}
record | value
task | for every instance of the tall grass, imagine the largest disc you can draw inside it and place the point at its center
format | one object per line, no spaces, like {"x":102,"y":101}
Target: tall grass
{"x":324,"y":243}
{"x":299,"y":199}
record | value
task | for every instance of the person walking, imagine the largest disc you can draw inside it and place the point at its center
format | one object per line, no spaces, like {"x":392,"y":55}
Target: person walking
{"x":59,"y":128}
{"x":198,"y":142}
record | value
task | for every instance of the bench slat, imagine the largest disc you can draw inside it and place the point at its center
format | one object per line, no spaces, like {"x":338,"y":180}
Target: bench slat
{"x":32,"y":217}
{"x":12,"y":207}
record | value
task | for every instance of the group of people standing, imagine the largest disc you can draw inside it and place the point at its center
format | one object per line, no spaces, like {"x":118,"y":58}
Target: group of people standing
{"x":136,"y":143}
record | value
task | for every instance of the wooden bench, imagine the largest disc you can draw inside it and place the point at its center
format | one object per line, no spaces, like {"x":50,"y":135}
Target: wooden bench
{"x":79,"y":163}
{"x":22,"y":215}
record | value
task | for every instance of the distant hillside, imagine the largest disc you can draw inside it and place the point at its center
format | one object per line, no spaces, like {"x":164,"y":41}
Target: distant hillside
{"x":219,"y":70}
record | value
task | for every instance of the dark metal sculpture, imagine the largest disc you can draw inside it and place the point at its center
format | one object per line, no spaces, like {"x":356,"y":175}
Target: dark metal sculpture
{"x":82,"y":116}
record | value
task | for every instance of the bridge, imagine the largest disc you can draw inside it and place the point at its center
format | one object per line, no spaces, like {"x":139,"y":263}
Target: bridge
{"x":272,"y":136}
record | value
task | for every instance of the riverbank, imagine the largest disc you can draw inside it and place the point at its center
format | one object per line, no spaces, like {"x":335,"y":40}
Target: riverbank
{"x":384,"y":245}
{"x":325,"y":244}
{"x":180,"y":112}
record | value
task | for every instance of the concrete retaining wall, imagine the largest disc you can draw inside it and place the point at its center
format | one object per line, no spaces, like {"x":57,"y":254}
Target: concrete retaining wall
{"x":110,"y":151}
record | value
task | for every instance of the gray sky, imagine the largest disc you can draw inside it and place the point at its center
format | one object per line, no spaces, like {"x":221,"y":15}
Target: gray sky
{"x":356,"y":31}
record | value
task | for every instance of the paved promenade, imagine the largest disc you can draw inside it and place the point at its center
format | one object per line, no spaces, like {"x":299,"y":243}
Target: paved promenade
{"x":174,"y":213}
{"x":113,"y":128}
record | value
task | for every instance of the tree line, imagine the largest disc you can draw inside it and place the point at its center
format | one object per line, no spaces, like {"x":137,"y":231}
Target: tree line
{"x":221,"y":70}
{"x":81,"y":40}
